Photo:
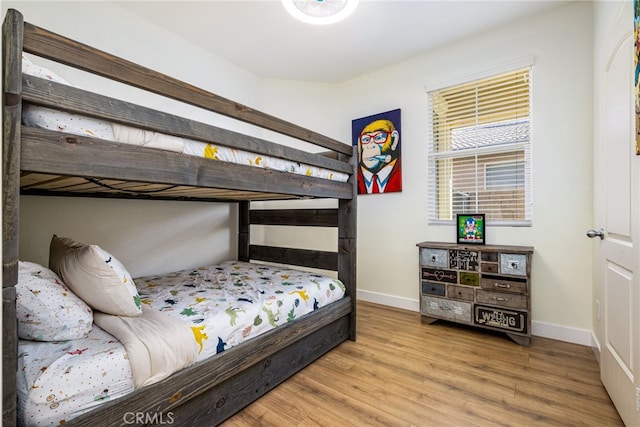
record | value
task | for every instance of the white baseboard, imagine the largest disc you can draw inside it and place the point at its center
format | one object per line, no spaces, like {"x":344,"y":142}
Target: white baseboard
{"x":390,"y":300}
{"x":562,"y":333}
{"x":539,"y":329}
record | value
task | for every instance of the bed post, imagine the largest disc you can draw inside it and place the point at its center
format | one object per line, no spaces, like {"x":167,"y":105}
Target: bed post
{"x":243,"y":231}
{"x":347,"y":243}
{"x":12,"y":33}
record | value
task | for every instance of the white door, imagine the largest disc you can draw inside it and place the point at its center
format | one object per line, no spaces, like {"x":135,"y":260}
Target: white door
{"x":616,"y":198}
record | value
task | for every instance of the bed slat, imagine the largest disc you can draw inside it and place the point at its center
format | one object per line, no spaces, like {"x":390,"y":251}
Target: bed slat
{"x":295,"y":217}
{"x":35,"y":184}
{"x":40,"y":146}
{"x":290,"y":256}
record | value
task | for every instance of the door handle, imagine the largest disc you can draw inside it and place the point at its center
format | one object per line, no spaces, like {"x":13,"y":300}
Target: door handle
{"x":596,"y":233}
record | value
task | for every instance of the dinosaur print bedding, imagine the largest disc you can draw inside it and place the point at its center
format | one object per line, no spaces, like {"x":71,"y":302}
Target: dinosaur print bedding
{"x":229,"y":303}
{"x":224,"y":305}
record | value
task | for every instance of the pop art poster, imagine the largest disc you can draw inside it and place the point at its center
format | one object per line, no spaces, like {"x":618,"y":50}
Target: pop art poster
{"x":379,"y":161}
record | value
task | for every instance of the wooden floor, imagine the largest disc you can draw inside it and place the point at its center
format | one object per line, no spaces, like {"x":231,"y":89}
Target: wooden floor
{"x":400,"y":372}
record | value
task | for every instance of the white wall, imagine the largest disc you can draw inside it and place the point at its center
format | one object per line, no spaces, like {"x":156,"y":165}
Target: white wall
{"x":390,"y":225}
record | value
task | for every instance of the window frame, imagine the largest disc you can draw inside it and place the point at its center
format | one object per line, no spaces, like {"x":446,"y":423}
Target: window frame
{"x":433,"y":155}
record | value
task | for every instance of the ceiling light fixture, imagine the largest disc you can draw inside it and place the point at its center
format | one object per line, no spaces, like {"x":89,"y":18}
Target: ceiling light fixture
{"x":320,"y":12}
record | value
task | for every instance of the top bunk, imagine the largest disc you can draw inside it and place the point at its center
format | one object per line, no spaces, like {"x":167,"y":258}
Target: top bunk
{"x":50,"y":162}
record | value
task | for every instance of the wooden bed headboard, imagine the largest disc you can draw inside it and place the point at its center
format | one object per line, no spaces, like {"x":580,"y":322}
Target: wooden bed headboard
{"x":43,"y":162}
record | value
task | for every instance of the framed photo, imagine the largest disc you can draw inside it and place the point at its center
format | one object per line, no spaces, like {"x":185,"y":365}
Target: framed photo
{"x":470,"y":228}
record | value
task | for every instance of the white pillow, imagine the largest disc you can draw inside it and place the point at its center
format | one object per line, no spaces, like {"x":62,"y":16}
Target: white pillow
{"x":146,"y":138}
{"x":96,"y":276}
{"x":32,"y":69}
{"x":46,"y":309}
{"x":60,"y":121}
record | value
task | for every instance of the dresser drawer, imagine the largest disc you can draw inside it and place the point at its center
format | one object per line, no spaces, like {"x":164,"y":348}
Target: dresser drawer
{"x":489,"y":256}
{"x":502,"y":284}
{"x":514,"y":264}
{"x":447,"y":276}
{"x":434,"y":257}
{"x":502,"y":299}
{"x":509,"y":320}
{"x":489,"y":267}
{"x":469,"y":279}
{"x":463,"y":260}
{"x":446,"y":309}
{"x":433,"y":288}
{"x":460,"y":292}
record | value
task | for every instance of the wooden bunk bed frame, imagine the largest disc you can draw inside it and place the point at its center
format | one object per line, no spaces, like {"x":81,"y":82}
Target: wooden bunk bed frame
{"x":42,"y":162}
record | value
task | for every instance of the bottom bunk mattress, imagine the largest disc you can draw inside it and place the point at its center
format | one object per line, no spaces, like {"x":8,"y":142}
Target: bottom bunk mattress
{"x":224,"y":305}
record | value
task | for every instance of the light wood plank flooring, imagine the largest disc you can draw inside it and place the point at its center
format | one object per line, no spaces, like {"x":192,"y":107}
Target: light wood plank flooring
{"x":400,"y":372}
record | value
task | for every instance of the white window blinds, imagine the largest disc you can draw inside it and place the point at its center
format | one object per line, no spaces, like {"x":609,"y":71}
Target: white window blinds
{"x":480,"y":149}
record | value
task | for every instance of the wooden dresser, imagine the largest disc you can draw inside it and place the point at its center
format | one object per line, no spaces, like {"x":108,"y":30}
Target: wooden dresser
{"x":487,"y":286}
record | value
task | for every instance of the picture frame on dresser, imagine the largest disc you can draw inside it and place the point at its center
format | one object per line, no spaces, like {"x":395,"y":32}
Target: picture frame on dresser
{"x":470,"y":229}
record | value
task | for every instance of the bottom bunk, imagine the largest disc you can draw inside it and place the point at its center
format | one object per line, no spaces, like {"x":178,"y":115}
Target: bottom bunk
{"x":245,"y":327}
{"x":209,"y":392}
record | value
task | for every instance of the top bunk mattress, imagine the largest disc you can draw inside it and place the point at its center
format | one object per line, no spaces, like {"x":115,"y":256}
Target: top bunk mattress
{"x":76,"y":124}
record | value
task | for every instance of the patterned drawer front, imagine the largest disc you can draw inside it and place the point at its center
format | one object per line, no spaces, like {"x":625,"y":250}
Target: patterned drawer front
{"x":515,"y":264}
{"x":510,"y":320}
{"x":433,"y":257}
{"x":502,"y":299}
{"x":498,"y":283}
{"x":463,"y":260}
{"x":446,"y":309}
{"x":460,"y":292}
{"x":469,"y":279}
{"x":433,"y":288}
{"x":438,"y":275}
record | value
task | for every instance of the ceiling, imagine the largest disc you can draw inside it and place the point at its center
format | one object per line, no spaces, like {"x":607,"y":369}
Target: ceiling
{"x":259,"y":35}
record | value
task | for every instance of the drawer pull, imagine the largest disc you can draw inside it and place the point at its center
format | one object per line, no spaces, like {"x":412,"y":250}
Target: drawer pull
{"x":514,"y":265}
{"x":501,"y":285}
{"x":499,"y":298}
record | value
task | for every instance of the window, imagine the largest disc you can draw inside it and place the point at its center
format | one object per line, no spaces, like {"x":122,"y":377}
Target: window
{"x":479,"y":149}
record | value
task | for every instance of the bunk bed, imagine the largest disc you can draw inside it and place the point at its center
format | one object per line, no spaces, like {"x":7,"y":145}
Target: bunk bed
{"x":39,"y":161}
